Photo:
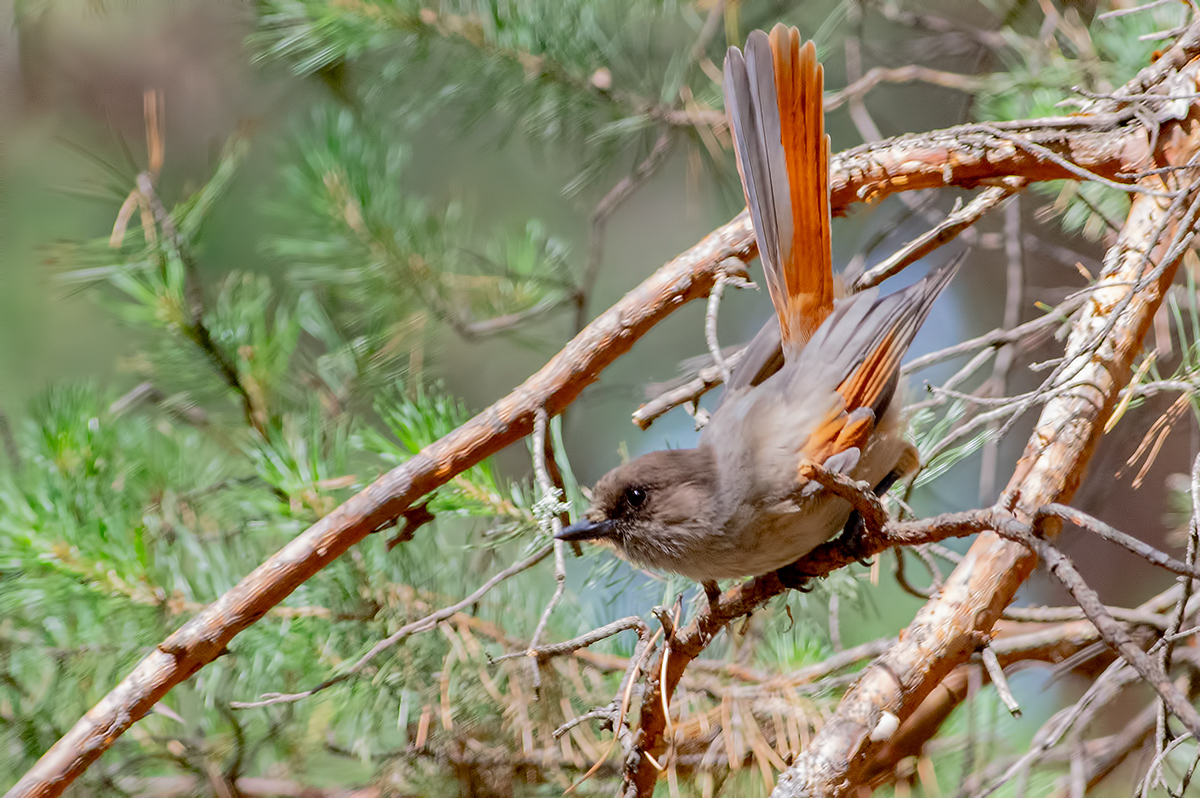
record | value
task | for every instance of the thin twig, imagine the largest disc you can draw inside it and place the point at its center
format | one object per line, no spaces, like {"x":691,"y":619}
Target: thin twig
{"x":550,"y":510}
{"x":1170,"y":33}
{"x":902,"y":579}
{"x":909,"y":73}
{"x":1121,"y":12}
{"x":423,"y":625}
{"x":998,"y":383}
{"x":950,"y":227}
{"x":1111,"y":751}
{"x":616,"y":196}
{"x":1113,"y":633}
{"x":1127,"y":541}
{"x":472,"y":329}
{"x":1101,"y":691}
{"x":1154,"y":772}
{"x":1037,"y":149}
{"x":992,"y":664}
{"x":553,"y":650}
{"x":710,"y":329}
{"x":1186,"y":781}
{"x":996,"y":338}
{"x":1068,"y":614}
{"x":710,"y":315}
{"x":1186,"y":585}
{"x":936,"y":577}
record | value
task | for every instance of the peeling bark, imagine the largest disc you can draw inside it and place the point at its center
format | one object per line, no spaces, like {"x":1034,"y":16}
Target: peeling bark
{"x":1104,"y":340}
{"x":1107,"y":143}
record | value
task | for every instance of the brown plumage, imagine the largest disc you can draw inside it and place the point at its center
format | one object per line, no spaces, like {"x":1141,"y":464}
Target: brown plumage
{"x":734,"y":506}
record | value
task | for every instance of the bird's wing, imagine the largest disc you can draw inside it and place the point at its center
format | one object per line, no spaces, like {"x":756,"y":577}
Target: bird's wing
{"x":860,"y":347}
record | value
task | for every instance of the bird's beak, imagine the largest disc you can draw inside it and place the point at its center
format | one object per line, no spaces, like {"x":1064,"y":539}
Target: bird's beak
{"x":587,"y":530}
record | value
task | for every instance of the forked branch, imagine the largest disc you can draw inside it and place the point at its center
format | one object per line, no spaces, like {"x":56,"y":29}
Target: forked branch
{"x":1109,"y":141}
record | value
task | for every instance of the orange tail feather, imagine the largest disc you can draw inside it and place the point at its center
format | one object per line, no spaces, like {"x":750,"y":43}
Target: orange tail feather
{"x":774,"y":101}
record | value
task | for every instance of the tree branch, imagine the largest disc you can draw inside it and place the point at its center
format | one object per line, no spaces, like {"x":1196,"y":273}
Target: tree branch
{"x":1114,"y":634}
{"x":640,"y":773}
{"x":1104,"y":340}
{"x":555,"y":386}
{"x":1100,"y":143}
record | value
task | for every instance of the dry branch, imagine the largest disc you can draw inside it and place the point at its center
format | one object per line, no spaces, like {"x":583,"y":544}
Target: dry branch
{"x":1104,"y":340}
{"x":1123,"y":539}
{"x":641,"y":773}
{"x":905,"y":74}
{"x":1115,"y":635}
{"x":957,"y":221}
{"x":1108,"y":142}
{"x":555,"y":386}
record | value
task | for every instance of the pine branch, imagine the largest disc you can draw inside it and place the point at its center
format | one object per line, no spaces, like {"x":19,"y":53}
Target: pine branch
{"x":1105,"y":142}
{"x":195,"y":329}
{"x":1104,"y":341}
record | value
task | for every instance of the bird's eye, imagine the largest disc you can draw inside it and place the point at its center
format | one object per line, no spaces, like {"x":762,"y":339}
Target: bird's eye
{"x":635,"y":497}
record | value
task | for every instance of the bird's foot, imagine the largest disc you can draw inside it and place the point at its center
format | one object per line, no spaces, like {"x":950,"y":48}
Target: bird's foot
{"x":850,"y":540}
{"x":793,"y":579}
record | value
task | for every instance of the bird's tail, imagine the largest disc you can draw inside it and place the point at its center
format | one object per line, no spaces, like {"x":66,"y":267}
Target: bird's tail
{"x":773,"y":98}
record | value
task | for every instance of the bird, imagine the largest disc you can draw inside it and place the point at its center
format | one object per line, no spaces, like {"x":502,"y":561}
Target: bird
{"x":818,"y":386}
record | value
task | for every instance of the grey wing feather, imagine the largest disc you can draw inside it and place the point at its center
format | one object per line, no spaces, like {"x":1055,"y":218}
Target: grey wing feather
{"x":862,"y":322}
{"x":763,"y":357}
